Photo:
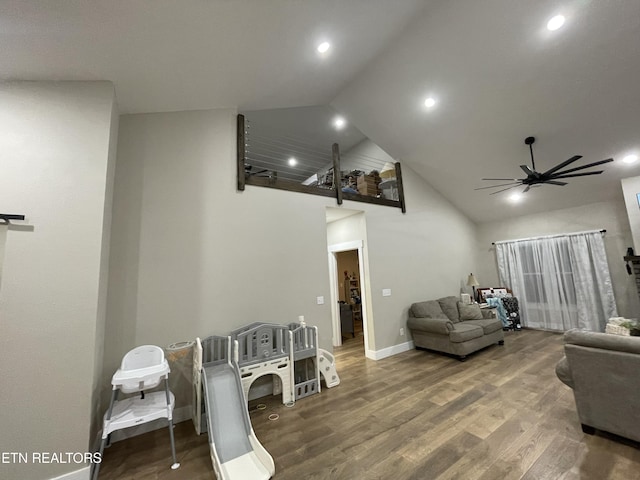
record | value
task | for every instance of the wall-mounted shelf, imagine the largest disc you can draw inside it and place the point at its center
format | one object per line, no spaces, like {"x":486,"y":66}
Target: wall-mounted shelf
{"x":5,"y":218}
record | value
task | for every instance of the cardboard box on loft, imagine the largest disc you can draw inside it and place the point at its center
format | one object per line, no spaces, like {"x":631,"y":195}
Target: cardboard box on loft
{"x":368,"y":185}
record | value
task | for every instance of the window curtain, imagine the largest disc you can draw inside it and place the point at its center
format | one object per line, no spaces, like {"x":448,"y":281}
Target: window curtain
{"x":562,"y":281}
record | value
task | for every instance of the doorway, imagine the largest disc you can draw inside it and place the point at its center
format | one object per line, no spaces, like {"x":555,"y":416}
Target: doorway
{"x":346,"y":240}
{"x":349,"y":294}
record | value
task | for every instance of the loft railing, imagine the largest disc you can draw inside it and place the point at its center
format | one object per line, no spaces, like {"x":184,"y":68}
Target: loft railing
{"x":269,"y":158}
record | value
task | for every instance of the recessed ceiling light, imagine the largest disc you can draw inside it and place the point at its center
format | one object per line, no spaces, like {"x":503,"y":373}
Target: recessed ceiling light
{"x":323,"y":47}
{"x":430,"y":102}
{"x":556,"y":22}
{"x":293,"y":162}
{"x":515,"y":197}
{"x":630,"y":159}
{"x":339,"y":122}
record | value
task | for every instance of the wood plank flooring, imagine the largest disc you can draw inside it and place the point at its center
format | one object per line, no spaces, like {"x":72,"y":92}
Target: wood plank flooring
{"x":418,"y":415}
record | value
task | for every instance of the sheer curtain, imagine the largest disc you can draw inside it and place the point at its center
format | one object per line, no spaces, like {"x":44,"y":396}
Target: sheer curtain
{"x":561,"y":281}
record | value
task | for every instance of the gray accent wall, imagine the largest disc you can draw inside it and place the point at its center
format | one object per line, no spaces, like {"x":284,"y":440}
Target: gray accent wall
{"x":191,"y":256}
{"x":56,"y":152}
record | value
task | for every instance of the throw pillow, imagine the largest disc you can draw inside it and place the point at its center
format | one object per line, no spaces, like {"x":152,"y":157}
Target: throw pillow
{"x":469,"y":312}
{"x":429,"y":309}
{"x":448,"y":305}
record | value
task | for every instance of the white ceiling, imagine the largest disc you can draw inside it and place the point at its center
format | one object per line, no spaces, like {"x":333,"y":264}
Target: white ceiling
{"x":498,"y":74}
{"x":170,"y":55}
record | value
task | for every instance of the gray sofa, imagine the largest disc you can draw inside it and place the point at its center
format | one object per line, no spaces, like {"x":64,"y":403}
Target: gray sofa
{"x":447,"y":325}
{"x":604,"y":372}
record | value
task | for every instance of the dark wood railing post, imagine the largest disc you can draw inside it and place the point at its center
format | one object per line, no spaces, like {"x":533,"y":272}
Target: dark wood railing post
{"x":241,"y":152}
{"x":400,"y":187}
{"x":337,"y":175}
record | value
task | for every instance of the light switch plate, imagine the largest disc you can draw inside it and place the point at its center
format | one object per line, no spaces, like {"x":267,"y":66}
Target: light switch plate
{"x":320,"y":300}
{"x":386,"y":292}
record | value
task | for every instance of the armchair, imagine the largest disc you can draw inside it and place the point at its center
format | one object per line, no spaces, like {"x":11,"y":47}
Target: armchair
{"x":603,"y":371}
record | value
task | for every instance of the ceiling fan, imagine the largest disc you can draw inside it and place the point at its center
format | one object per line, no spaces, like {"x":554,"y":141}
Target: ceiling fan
{"x":249,"y":172}
{"x":550,"y":177}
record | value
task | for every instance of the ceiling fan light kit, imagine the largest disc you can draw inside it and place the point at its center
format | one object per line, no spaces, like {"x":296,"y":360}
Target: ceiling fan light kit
{"x":549,"y":177}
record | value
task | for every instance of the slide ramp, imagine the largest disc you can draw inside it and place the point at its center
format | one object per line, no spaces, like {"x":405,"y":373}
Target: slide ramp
{"x":236,"y":452}
{"x":327,"y":367}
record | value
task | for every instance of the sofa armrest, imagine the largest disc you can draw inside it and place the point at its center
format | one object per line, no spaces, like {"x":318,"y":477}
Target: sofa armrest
{"x":441,"y":326}
{"x":603,"y":341}
{"x":563,"y":371}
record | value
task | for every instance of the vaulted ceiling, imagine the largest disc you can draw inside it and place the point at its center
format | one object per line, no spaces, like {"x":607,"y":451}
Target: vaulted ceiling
{"x":496,"y":73}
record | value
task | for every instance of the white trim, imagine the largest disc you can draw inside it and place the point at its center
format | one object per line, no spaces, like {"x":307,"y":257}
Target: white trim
{"x":343,"y":247}
{"x":390,"y":351}
{"x":333,"y":279}
{"x":82,"y":474}
{"x":335,"y":309}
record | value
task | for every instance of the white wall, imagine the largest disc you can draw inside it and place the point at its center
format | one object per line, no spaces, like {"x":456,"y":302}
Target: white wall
{"x":610,"y":216}
{"x":55,"y":151}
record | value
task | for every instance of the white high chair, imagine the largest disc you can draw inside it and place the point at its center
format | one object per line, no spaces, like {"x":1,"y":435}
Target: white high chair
{"x":141,"y":369}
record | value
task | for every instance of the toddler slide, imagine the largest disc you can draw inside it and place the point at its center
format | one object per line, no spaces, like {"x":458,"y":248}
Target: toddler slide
{"x":327,"y":367}
{"x":236,"y":452}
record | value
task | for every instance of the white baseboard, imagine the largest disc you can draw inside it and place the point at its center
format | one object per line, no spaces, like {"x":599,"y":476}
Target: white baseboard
{"x":82,"y":474}
{"x":390,"y":351}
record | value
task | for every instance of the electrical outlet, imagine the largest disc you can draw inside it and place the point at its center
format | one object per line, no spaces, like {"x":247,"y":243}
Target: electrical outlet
{"x":386,"y":292}
{"x":402,"y":332}
{"x":320,"y":300}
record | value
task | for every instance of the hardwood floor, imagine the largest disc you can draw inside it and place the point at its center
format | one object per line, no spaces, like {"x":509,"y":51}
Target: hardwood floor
{"x":418,"y":415}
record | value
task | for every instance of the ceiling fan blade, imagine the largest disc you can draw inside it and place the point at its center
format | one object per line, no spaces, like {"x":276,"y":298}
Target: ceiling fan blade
{"x":584,"y":166}
{"x":584,"y":174}
{"x":502,"y":179}
{"x":526,"y":189}
{"x":500,"y":185}
{"x":508,"y":188}
{"x":561,"y":165}
{"x":527,"y":170}
{"x":551,"y":182}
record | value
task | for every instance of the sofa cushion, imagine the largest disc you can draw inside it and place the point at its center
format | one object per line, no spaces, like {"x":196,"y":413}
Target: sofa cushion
{"x":429,"y":309}
{"x":469,"y":311}
{"x":488,"y":325}
{"x":449,"y":306}
{"x":463,"y":331}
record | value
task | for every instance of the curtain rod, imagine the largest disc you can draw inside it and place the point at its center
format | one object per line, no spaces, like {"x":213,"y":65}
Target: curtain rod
{"x":551,"y":236}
